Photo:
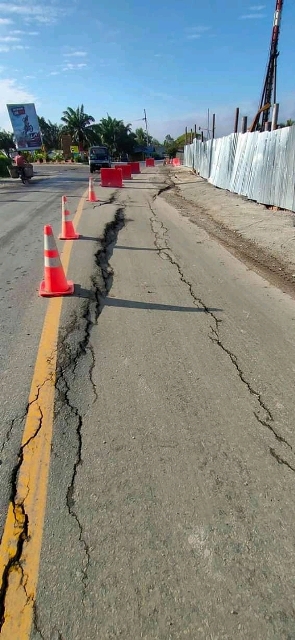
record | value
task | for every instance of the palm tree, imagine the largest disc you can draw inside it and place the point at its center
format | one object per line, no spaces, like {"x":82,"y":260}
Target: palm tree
{"x":141,"y":137}
{"x":51,"y":134}
{"x":116,"y":135}
{"x":79,"y":125}
{"x":289,"y":123}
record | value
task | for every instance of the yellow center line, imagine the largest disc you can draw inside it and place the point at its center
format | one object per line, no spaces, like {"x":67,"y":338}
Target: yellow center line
{"x":25,"y":518}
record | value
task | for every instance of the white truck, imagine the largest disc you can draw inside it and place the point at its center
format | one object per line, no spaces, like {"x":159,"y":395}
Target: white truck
{"x":99,"y":157}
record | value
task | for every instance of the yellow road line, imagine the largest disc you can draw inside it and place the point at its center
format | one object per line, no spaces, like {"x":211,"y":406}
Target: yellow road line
{"x":25,"y":519}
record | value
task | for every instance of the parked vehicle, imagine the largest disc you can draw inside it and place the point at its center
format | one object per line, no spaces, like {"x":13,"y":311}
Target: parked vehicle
{"x":99,"y":157}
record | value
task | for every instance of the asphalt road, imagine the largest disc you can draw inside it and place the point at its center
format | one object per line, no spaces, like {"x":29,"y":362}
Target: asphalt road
{"x":170,"y":510}
{"x":24,"y":210}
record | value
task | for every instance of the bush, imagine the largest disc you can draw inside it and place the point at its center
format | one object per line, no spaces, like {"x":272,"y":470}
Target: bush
{"x":57,"y":156}
{"x":28,"y":156}
{"x":5,"y":163}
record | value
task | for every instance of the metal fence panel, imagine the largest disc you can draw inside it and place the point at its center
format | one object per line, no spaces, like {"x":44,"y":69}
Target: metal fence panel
{"x":260,"y":166}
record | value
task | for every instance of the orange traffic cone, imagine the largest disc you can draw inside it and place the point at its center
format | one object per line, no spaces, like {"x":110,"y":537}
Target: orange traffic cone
{"x":54,"y":283}
{"x":67,"y":229}
{"x":91,"y":196}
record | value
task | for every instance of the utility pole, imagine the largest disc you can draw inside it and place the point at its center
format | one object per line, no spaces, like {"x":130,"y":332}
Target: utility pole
{"x":236,"y":125}
{"x":146,"y":128}
{"x":275,"y":114}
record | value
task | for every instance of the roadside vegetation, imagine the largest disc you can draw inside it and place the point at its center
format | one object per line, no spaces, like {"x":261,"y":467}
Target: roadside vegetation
{"x":85,"y":132}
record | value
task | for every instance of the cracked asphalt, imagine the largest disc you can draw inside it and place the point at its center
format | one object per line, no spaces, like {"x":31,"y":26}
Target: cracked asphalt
{"x":23,"y":213}
{"x":170,"y":501}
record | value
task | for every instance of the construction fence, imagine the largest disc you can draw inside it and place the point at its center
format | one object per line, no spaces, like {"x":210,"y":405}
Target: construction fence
{"x":259,"y":166}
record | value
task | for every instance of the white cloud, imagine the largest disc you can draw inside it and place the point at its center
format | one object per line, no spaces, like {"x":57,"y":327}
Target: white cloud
{"x":194,"y":33}
{"x":198,"y":29}
{"x":11,"y":93}
{"x":76,"y":54}
{"x":258,"y":7}
{"x":20,"y":32}
{"x":252,"y":16}
{"x":9,"y":39}
{"x":46,"y":14}
{"x":73,"y":67}
{"x":5,"y":21}
{"x":54,"y":73}
{"x":4,"y":49}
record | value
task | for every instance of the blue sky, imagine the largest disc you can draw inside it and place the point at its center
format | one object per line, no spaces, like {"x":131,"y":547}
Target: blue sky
{"x":174,"y":58}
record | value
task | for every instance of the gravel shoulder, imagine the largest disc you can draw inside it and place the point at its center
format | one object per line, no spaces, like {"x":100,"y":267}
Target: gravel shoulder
{"x":262,"y":238}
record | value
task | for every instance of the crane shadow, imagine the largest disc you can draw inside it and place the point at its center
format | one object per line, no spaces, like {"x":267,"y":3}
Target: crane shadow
{"x":122,"y":303}
{"x":154,"y":306}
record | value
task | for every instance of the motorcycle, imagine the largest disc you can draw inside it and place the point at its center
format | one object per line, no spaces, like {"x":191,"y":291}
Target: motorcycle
{"x":25,"y":175}
{"x":22,"y":175}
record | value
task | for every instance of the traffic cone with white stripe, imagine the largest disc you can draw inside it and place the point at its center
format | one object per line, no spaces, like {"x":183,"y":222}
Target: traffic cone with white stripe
{"x":67,"y":229}
{"x":91,"y":194}
{"x":55,"y":282}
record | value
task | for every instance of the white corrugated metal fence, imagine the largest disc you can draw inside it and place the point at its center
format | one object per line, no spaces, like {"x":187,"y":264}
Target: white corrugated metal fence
{"x":260,"y":166}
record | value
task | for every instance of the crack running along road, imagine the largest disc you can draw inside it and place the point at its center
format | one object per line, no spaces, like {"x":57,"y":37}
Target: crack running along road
{"x":160,"y":232}
{"x":68,"y":366}
{"x":21,"y":536}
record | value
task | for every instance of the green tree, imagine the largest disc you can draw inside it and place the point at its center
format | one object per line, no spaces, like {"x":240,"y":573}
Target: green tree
{"x":80,"y":126}
{"x":168,"y":140}
{"x":6,"y":142}
{"x":171,"y":146}
{"x":142,"y":139}
{"x":116,"y":135}
{"x":51,"y":134}
{"x":288,"y":123}
{"x":180,"y":141}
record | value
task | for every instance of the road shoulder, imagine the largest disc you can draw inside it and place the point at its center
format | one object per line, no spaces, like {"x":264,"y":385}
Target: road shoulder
{"x":260,"y":237}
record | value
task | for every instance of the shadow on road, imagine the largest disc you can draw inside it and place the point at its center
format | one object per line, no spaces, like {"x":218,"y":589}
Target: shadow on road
{"x":80,"y":292}
{"x":93,"y":238}
{"x":135,"y":248}
{"x":153,"y":306}
{"x":153,"y":187}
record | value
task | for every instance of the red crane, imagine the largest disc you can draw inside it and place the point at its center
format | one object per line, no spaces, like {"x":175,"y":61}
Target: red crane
{"x":269,"y":91}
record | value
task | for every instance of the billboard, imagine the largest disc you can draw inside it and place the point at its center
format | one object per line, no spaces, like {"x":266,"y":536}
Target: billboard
{"x":24,"y":122}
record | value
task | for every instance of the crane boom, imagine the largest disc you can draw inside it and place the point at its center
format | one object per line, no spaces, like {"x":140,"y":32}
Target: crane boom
{"x":269,"y":88}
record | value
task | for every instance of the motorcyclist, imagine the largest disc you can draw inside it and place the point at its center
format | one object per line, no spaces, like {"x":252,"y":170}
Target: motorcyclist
{"x":20,"y":163}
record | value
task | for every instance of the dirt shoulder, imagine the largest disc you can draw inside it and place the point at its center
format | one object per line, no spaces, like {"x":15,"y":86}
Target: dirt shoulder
{"x":262,"y":238}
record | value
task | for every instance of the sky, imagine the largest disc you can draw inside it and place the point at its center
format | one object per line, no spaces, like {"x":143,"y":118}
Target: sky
{"x":176,"y":59}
